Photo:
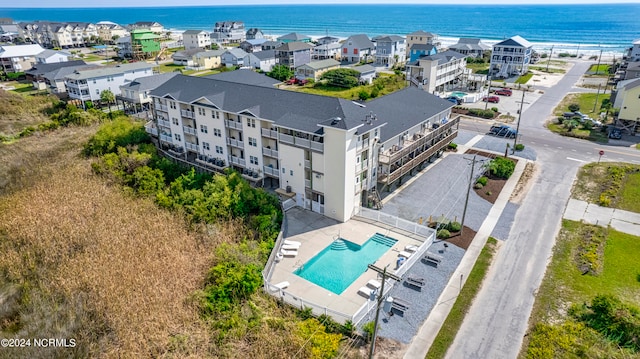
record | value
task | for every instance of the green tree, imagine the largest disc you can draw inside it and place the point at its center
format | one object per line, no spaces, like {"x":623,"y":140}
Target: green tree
{"x":108,"y":97}
{"x":343,"y":77}
{"x":574,"y":107}
{"x":280,"y":72}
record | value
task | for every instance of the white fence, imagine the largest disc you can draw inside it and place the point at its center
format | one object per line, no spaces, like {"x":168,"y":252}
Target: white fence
{"x":288,"y":204}
{"x":408,"y":226}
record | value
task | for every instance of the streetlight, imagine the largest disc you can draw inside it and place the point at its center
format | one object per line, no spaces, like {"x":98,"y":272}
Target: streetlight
{"x":515,"y":138}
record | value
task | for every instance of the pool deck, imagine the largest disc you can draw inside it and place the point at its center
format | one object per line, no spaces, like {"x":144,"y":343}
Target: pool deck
{"x":316,"y":232}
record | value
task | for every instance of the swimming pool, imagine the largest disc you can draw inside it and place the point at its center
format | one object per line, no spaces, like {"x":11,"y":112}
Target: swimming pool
{"x":458,"y":94}
{"x":342,"y":262}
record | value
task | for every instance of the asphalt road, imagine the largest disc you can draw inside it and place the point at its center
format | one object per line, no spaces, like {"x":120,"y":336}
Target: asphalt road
{"x":498,"y":319}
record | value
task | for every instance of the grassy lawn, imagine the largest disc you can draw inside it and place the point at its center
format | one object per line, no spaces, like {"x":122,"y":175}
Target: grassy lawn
{"x":551,"y":70}
{"x":586,"y":102}
{"x":386,"y":84}
{"x":21,"y":87}
{"x":479,"y":68}
{"x":170,"y":67}
{"x":630,"y":193}
{"x":463,"y":303}
{"x":92,"y":57}
{"x":524,"y":78}
{"x":207,"y":73}
{"x":602,"y":69}
{"x":594,"y":134}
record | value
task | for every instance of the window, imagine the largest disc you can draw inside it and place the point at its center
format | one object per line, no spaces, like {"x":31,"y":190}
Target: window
{"x":284,"y":170}
{"x":219,"y":150}
{"x":97,"y":92}
{"x":253,"y":160}
{"x":217,"y":132}
{"x":291,"y":172}
{"x":251,"y":122}
{"x":201,"y":111}
{"x":355,"y":51}
{"x":177,"y":137}
{"x":204,"y":129}
{"x":215,"y":114}
{"x":174,"y":120}
{"x":172,"y":105}
{"x":253,"y":142}
{"x":94,"y":81}
{"x":206,"y":146}
{"x":344,"y":50}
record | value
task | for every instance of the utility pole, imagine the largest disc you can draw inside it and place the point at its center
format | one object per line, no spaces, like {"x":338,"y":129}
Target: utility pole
{"x":486,"y":103}
{"x":597,"y":95}
{"x":549,"y":59}
{"x":515,"y":138}
{"x":599,"y":58}
{"x":384,"y":273}
{"x":466,"y":201}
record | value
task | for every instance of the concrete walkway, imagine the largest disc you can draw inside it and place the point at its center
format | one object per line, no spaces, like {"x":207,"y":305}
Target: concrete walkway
{"x":623,"y":221}
{"x":427,"y":333}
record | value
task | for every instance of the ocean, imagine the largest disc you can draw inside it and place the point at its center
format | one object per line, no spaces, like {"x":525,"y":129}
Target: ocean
{"x":585,"y":28}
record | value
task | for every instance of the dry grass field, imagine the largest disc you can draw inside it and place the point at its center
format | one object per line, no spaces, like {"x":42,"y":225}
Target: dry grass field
{"x":18,"y":112}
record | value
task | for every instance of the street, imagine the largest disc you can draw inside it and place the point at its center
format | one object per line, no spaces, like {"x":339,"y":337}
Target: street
{"x":498,"y":319}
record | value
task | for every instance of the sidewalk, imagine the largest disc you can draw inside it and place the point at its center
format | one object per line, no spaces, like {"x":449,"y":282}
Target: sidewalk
{"x":623,"y":221}
{"x":422,"y":341}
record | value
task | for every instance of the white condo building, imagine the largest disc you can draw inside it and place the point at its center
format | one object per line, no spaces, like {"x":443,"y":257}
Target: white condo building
{"x":330,"y":155}
{"x":87,"y":85}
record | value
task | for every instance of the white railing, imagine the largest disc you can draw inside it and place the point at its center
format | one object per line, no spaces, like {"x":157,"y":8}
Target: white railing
{"x":285,"y":138}
{"x":162,"y":108}
{"x":307,"y":183}
{"x":403,"y":224}
{"x":234,"y":143}
{"x":362,"y":145}
{"x":151,"y":130}
{"x":191,"y":146}
{"x":317,"y":146}
{"x":269,"y":133}
{"x":302,"y":142}
{"x":237,"y":160}
{"x":288,"y":204}
{"x":166,"y":138}
{"x":187,"y":114}
{"x":233,"y":124}
{"x":269,"y":152}
{"x":164,"y":123}
{"x":271,"y":171}
{"x":307,"y":164}
{"x":189,"y":130}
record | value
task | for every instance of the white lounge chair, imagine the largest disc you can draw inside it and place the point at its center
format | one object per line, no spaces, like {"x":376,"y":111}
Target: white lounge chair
{"x":292,"y":243}
{"x":365,"y":291}
{"x":290,"y":247}
{"x":411,"y":248}
{"x":374,"y":284}
{"x":282,"y":285}
{"x":405,"y":254}
{"x":289,"y":253}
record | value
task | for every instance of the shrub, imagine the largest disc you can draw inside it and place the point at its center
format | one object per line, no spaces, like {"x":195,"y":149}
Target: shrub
{"x":574,"y":107}
{"x":494,"y":109}
{"x":519,"y":147}
{"x":363,"y":95}
{"x":375,"y":92}
{"x":322,"y":344}
{"x":478,"y":186}
{"x":443,"y":234}
{"x":452,"y":146}
{"x":483,"y":181}
{"x":454,"y":226}
{"x":501,"y":167}
{"x":482,"y":113}
{"x":119,"y":133}
{"x":367,"y":329}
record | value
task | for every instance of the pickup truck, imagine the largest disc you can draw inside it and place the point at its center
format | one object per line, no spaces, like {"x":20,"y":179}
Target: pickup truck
{"x":503,"y":131}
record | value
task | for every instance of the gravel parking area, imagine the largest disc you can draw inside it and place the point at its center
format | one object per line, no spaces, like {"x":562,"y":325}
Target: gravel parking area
{"x":503,"y":227}
{"x":498,"y":144}
{"x":404,"y":326}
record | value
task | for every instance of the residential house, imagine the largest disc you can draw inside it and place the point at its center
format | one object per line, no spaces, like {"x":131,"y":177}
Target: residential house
{"x":87,"y":85}
{"x":228,"y":32}
{"x":235,"y":57}
{"x":51,"y":76}
{"x":419,"y":50}
{"x":8,"y":26}
{"x":294,"y":37}
{"x":134,"y":95}
{"x":125,"y":50}
{"x":245,"y":76}
{"x":633,"y":53}
{"x":293,"y":54}
{"x":510,"y":57}
{"x":186,"y":57}
{"x":254,"y":45}
{"x":438,"y":73}
{"x":52,"y":56}
{"x":632,"y":70}
{"x":357,"y":48}
{"x":423,"y":38}
{"x":367,"y":73}
{"x":210,"y":59}
{"x":196,"y":39}
{"x":144,"y":44}
{"x":327,"y":40}
{"x":627,"y":99}
{"x":471,"y":47}
{"x":327,"y":51}
{"x":266,"y":60}
{"x":315,"y":69}
{"x":109,"y":31}
{"x":390,"y":50}
{"x":254,"y":33}
{"x":271,"y":45}
{"x":328,"y":154}
{"x":59,"y":34}
{"x":18,"y":58}
{"x":153,"y":26}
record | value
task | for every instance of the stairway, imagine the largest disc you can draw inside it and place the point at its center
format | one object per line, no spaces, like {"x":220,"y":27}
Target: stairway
{"x":377,"y":201}
{"x":380,"y":238}
{"x":339,"y":245}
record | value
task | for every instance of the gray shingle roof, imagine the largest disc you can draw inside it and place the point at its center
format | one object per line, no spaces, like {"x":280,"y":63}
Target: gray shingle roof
{"x":321,"y":64}
{"x":294,"y":46}
{"x":149,"y":82}
{"x":111,"y":70}
{"x":470,"y":44}
{"x":294,"y":36}
{"x":245,"y":76}
{"x":442,"y":57}
{"x":514,"y":41}
{"x":360,"y":41}
{"x":193,"y":32}
{"x":265,"y":54}
{"x":41,"y":69}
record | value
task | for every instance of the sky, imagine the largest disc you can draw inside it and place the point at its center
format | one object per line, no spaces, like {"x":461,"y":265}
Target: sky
{"x":158,"y":3}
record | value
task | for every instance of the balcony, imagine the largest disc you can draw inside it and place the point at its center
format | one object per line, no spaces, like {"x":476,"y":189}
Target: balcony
{"x":164,"y":123}
{"x":190,"y":130}
{"x":362,"y":145}
{"x":317,"y":146}
{"x":270,"y":171}
{"x":307,"y":164}
{"x":235,"y":143}
{"x":363,"y":165}
{"x":301,"y":142}
{"x":151,"y":130}
{"x":191,"y":146}
{"x":288,"y":139}
{"x":307,"y":183}
{"x":213,"y":162}
{"x":188,"y":114}
{"x":269,"y":152}
{"x":160,"y":107}
{"x":233,"y":124}
{"x":166,"y":138}
{"x":269,"y":133}
{"x":237,"y":161}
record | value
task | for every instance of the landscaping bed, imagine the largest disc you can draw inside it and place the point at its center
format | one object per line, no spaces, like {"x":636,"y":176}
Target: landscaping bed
{"x":474,"y":112}
{"x":491,"y":190}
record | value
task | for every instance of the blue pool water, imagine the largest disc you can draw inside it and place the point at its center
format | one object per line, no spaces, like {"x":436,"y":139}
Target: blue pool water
{"x":342,"y":262}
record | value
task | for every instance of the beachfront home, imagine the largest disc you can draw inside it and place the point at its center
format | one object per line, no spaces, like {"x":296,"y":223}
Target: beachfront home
{"x":254,"y":33}
{"x":109,"y":31}
{"x":327,"y":51}
{"x":438,"y":73}
{"x":471,"y":47}
{"x":420,"y":50}
{"x":357,"y":48}
{"x":134,"y":95}
{"x":327,"y":40}
{"x":271,"y":45}
{"x":422,"y":38}
{"x":87,"y":85}
{"x":510,"y":57}
{"x":210,"y":59}
{"x":228,"y":32}
{"x":327,"y":154}
{"x":152,"y":26}
{"x":266,"y":60}
{"x":315,"y":69}
{"x":633,"y":53}
{"x":254,"y":45}
{"x":293,"y":37}
{"x":52,"y":56}
{"x":390,"y":50}
{"x":627,"y":99}
{"x":196,"y":39}
{"x":293,"y":54}
{"x":51,"y":77}
{"x":186,"y":57}
{"x":235,"y":57}
{"x":18,"y":58}
{"x":144,"y":44}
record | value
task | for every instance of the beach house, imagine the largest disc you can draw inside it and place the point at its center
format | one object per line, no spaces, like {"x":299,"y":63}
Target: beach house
{"x":51,"y":56}
{"x":186,"y":57}
{"x":357,"y":48}
{"x":327,"y":154}
{"x":51,"y":77}
{"x":87,"y":85}
{"x":626,"y":97}
{"x":253,"y":45}
{"x":315,"y":69}
{"x":294,"y":37}
{"x":417,"y":51}
{"x":228,"y":32}
{"x":152,"y":26}
{"x":196,"y":39}
{"x":390,"y":50}
{"x":254,"y":33}
{"x":325,"y":51}
{"x":210,"y":59}
{"x":18,"y":58}
{"x":510,"y":57}
{"x":438,"y":73}
{"x":293,"y":54}
{"x":471,"y":47}
{"x":144,"y":44}
{"x":134,"y":95}
{"x":109,"y":32}
{"x":234,"y":57}
{"x":423,"y":38}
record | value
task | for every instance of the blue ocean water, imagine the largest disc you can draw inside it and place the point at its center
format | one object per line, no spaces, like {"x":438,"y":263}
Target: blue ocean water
{"x":608,"y":26}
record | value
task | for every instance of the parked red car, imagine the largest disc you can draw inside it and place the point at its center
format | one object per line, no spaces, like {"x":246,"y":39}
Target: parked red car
{"x":504,"y":92}
{"x":494,"y":99}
